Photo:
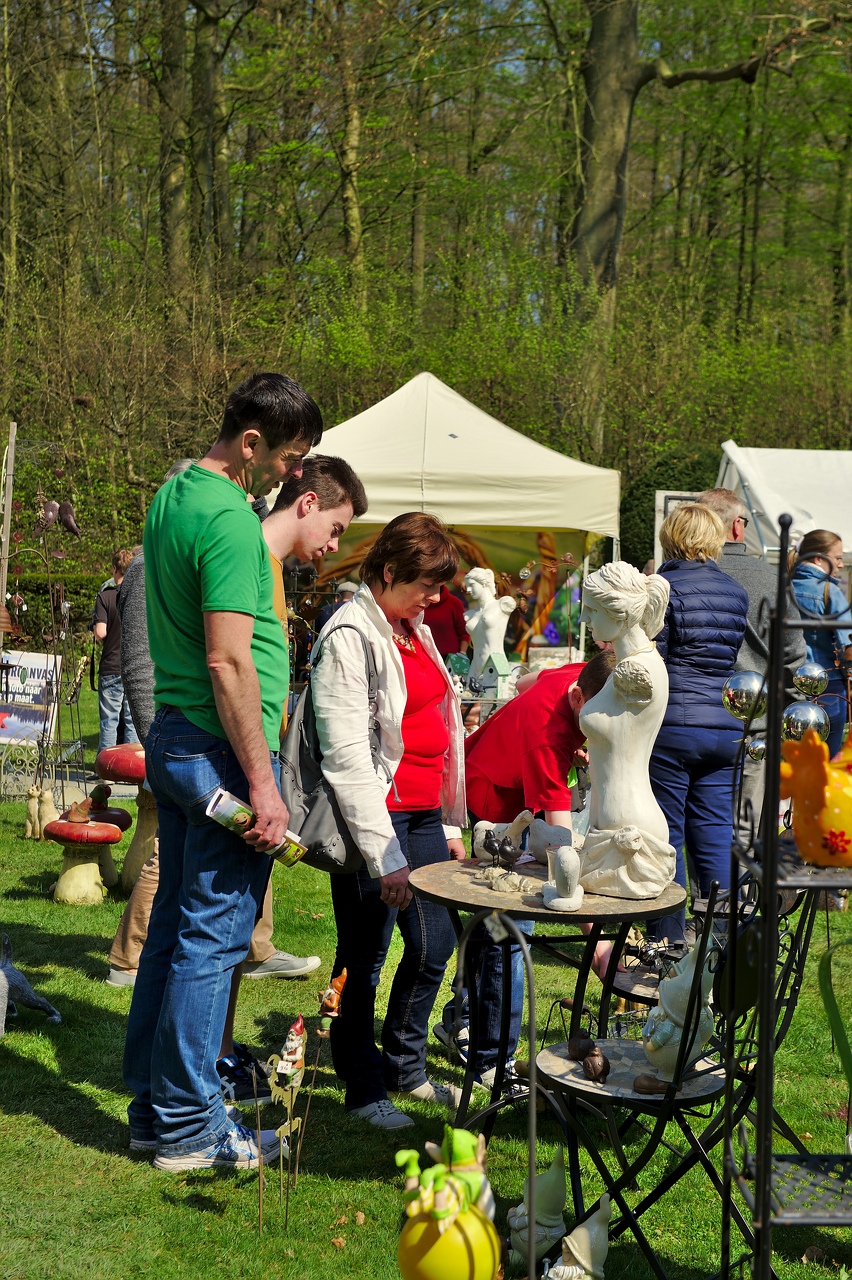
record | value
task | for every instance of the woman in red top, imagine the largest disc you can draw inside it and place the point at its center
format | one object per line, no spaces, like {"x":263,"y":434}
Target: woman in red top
{"x":393,"y":805}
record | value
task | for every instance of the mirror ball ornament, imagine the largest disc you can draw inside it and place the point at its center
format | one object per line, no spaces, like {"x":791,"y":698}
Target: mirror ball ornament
{"x":801,"y":716}
{"x":811,"y":679}
{"x":744,"y":695}
{"x":756,"y":748}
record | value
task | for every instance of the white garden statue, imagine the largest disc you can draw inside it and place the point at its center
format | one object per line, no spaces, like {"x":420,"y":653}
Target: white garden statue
{"x":487,"y":618}
{"x":626,"y":853}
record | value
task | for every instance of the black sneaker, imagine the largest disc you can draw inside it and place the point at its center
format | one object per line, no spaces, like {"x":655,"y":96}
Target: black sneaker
{"x":237,"y":1083}
{"x":247,"y":1059}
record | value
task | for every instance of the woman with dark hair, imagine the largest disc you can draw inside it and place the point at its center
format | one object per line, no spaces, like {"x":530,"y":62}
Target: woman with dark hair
{"x":814,"y":567}
{"x":394,"y":805}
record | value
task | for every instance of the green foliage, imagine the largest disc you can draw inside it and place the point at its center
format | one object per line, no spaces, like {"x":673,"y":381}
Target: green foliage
{"x":80,"y":590}
{"x":678,"y":467}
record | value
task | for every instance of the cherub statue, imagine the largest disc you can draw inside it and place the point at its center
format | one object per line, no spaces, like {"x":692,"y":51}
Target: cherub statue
{"x":626,"y":853}
{"x":487,"y":618}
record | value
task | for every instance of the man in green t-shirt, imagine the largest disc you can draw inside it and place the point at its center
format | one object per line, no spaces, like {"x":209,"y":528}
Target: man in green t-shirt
{"x":218,"y":653}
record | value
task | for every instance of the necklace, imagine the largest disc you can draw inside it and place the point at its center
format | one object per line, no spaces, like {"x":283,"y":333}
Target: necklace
{"x":404,"y":641}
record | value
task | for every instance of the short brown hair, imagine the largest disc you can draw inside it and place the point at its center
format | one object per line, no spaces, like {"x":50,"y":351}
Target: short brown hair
{"x":692,"y":532}
{"x":412,"y":546}
{"x":331,"y":479}
{"x":595,"y":673}
{"x":121,"y":562}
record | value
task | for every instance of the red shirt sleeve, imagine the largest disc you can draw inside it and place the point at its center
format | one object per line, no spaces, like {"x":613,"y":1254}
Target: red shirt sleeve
{"x":546,"y":765}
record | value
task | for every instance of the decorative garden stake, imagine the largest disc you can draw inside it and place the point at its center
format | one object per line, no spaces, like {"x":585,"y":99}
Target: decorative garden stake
{"x":329,"y":1008}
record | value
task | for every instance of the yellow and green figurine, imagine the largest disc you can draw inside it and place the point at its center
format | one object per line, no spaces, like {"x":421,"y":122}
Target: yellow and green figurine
{"x":447,"y":1237}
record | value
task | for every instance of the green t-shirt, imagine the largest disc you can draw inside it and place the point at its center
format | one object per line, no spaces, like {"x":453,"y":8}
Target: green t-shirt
{"x":205,"y":552}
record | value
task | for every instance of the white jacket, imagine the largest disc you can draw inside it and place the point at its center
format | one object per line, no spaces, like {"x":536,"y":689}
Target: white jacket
{"x":339,"y":689}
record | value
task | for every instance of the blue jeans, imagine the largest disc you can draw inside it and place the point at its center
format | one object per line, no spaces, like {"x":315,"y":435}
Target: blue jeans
{"x":692,"y":777}
{"x":833,"y":702}
{"x":364,"y":929}
{"x":486,"y":958}
{"x":112,"y":708}
{"x":211,"y":888}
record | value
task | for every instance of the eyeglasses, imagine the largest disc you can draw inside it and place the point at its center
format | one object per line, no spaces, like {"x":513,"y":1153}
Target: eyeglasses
{"x":743,"y":521}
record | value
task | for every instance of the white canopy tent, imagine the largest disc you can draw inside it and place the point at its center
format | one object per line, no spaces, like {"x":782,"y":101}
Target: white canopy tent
{"x":814,"y":486}
{"x":426,"y":448}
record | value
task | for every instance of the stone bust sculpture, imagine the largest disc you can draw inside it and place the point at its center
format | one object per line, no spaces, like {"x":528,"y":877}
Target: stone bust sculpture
{"x":487,"y":618}
{"x":626,"y":853}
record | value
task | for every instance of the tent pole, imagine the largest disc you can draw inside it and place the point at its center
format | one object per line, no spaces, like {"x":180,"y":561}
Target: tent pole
{"x":582,"y":620}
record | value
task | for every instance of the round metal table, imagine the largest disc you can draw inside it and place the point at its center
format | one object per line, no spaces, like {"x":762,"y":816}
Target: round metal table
{"x":457,"y":886}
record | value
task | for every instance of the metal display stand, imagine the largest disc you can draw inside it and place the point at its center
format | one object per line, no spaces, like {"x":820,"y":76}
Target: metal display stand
{"x":797,"y":1189}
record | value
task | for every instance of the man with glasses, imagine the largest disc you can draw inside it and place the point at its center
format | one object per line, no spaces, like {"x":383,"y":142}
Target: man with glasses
{"x":219,"y":652}
{"x":760,"y":582}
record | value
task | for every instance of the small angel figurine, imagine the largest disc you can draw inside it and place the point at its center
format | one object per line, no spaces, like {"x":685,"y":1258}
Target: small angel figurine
{"x":487,"y":618}
{"x":626,"y":853}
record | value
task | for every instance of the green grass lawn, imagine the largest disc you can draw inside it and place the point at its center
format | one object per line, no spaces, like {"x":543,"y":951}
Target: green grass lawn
{"x":73,"y":1203}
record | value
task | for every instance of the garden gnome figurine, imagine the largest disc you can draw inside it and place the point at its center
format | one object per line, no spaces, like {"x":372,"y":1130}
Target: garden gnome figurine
{"x":290,"y":1065}
{"x":32,"y":828}
{"x":549,"y":1225}
{"x":626,"y":853}
{"x":584,"y":1250}
{"x":487,"y":618}
{"x":464,"y":1155}
{"x":661,"y":1034}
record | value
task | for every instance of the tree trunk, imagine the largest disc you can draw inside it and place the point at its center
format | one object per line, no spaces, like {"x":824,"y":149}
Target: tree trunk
{"x":203,"y":144}
{"x":12,"y":218}
{"x":418,"y":197}
{"x":743,"y":231}
{"x":222,"y":182}
{"x":173,"y":137}
{"x":839,"y":253}
{"x":350,"y":160}
{"x":612,"y":72}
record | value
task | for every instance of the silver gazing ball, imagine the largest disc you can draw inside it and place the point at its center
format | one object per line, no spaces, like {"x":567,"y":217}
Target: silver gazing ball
{"x":801,"y":716}
{"x":744,"y":695}
{"x":756,"y":748}
{"x":811,"y":679}
{"x":524,"y":574}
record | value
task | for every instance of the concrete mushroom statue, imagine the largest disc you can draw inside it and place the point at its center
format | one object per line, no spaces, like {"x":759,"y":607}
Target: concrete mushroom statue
{"x":82,"y":840}
{"x":126,"y":763}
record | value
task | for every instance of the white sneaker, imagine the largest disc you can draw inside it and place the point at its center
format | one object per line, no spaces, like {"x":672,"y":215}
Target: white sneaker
{"x":382,"y":1115}
{"x":446,"y":1095}
{"x":237,"y":1149}
{"x":282,"y":965}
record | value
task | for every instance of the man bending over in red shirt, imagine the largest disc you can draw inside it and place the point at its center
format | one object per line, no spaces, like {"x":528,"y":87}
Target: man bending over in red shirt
{"x":520,"y":759}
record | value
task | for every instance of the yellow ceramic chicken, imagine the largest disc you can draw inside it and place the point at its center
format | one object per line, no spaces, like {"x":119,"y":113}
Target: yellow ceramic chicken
{"x":821,"y":791}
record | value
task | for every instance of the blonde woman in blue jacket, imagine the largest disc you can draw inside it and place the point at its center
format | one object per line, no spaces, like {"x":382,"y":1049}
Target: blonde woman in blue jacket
{"x":693,"y":761}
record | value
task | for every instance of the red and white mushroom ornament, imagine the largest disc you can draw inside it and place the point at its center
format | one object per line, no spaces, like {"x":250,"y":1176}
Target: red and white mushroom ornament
{"x":126,"y":763}
{"x":82,"y":842}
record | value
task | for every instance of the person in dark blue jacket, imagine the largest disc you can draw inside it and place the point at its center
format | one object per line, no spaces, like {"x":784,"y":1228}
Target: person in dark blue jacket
{"x":814,"y":565}
{"x":694,"y":757}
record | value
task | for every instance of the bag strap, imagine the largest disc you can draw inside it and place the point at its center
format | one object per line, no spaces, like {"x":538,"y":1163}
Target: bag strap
{"x":372,"y":678}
